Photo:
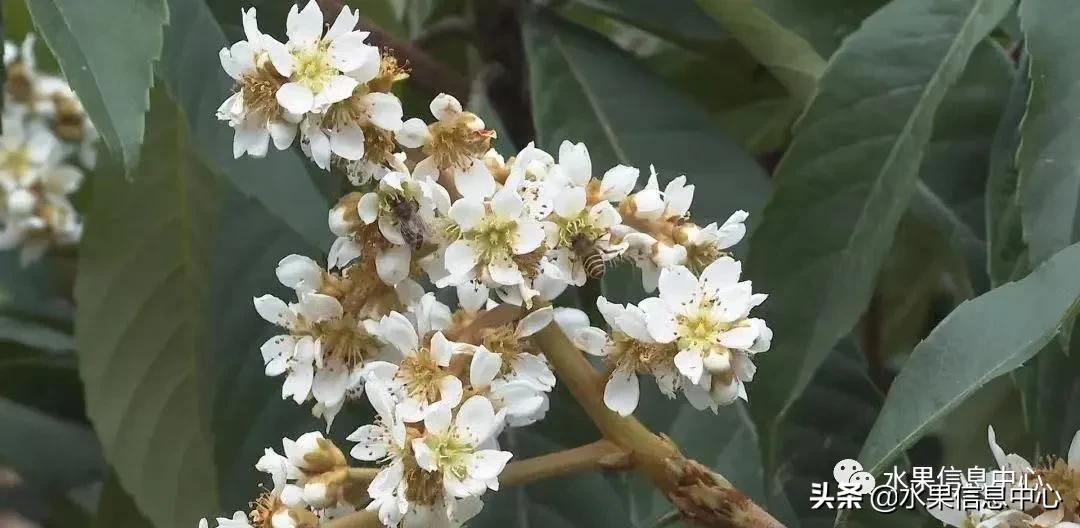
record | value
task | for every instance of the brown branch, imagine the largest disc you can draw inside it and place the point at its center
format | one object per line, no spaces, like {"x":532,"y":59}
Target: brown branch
{"x":424,"y":70}
{"x":599,"y":455}
{"x":703,"y":497}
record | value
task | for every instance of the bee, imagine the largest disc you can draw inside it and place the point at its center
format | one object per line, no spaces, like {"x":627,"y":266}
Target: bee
{"x":410,"y":223}
{"x":591,"y":257}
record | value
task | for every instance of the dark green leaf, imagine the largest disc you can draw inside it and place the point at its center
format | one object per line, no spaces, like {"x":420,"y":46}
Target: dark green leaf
{"x":111,"y":70}
{"x":982,"y":339}
{"x":586,"y":89}
{"x":681,"y":21}
{"x":48,"y":453}
{"x":823,"y":23}
{"x":33,"y":334}
{"x":116,"y":508}
{"x":1006,"y":258}
{"x":247,"y":411}
{"x":142,"y":299}
{"x":790,"y":58}
{"x":1048,"y":163}
{"x":845,"y":182}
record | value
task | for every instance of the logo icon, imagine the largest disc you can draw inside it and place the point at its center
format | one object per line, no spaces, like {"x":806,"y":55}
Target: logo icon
{"x":851,"y":478}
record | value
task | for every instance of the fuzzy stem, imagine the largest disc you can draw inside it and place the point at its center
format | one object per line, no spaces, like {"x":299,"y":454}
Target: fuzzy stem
{"x":599,"y":455}
{"x":702,"y":496}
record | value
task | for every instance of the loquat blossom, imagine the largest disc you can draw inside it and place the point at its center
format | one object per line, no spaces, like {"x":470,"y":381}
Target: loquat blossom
{"x":629,"y":349}
{"x":452,"y":446}
{"x":707,"y":319}
{"x":456,"y":142}
{"x":422,"y":377}
{"x":498,"y":243}
{"x":253,"y":110}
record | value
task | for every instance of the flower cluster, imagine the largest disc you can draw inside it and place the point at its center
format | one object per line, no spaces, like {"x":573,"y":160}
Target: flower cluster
{"x":434,"y":204}
{"x":330,"y":86}
{"x":46,"y":144}
{"x":1060,"y":476}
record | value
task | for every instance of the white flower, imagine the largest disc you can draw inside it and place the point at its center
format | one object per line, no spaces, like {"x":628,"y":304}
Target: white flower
{"x":576,"y":225}
{"x":278,"y":467}
{"x":422,"y":378}
{"x":630,"y":349}
{"x":319,"y":66}
{"x":292,"y":352}
{"x":704,"y":245}
{"x":456,"y":142}
{"x":673,"y":202}
{"x":707,"y":319}
{"x":252,"y":110}
{"x":404,"y":208}
{"x":453,"y":447}
{"x":493,"y":233}
{"x":519,"y":360}
{"x":523,"y":402}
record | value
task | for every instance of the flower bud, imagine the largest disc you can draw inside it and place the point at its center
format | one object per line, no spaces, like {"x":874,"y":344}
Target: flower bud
{"x":344,"y":218}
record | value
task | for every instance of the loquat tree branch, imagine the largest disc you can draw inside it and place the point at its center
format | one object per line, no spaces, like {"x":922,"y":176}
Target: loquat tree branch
{"x":702,"y":496}
{"x":424,"y":70}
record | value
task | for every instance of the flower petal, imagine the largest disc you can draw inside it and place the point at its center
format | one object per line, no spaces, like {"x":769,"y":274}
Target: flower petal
{"x":486,"y":464}
{"x":460,"y":258}
{"x":690,"y":364}
{"x":412,"y":134}
{"x":530,"y":234}
{"x":535,"y":322}
{"x":618,"y":183}
{"x":621,"y":392}
{"x":317,"y":307}
{"x":348,"y":142}
{"x":475,"y":181}
{"x":398,"y":331}
{"x":467,"y":212}
{"x":484,"y":367}
{"x":678,"y":287}
{"x":475,"y":420}
{"x":392,"y":264}
{"x":384,"y":110}
{"x":295,"y":98}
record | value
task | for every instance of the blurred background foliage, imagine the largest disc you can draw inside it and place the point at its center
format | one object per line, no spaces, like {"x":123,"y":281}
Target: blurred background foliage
{"x":892,"y":200}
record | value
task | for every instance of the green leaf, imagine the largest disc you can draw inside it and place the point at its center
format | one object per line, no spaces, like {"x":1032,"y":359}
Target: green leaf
{"x":788,"y":56}
{"x":823,"y":23}
{"x":814,"y":439}
{"x":982,"y":339}
{"x":110,"y":69}
{"x":1006,"y":257}
{"x":116,"y":508}
{"x":48,"y":453}
{"x":680,"y":21}
{"x":247,"y":413}
{"x":142,"y":299}
{"x":1049,"y":165}
{"x":844,"y":184}
{"x":34,"y":334}
{"x":955,"y":167}
{"x":194,"y":77}
{"x":586,"y":89}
